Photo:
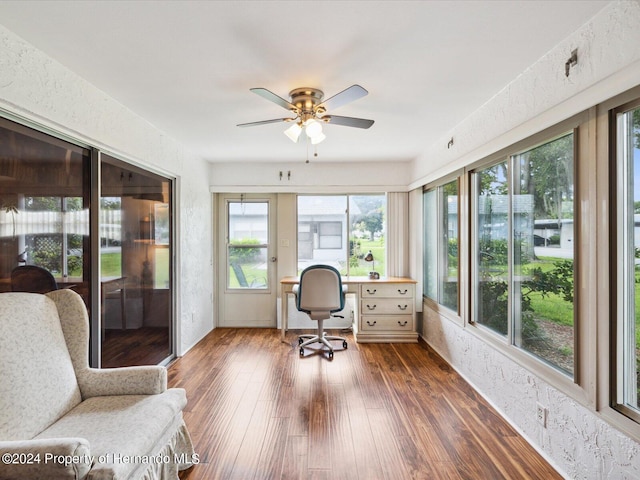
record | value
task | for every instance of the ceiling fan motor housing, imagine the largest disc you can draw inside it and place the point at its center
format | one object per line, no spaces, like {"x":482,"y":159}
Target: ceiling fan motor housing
{"x":306,"y":100}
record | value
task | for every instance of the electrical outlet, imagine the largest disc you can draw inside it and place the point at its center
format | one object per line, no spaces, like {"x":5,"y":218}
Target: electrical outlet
{"x":541,"y":415}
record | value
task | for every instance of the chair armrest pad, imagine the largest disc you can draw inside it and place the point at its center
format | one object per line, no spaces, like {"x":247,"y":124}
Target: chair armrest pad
{"x":145,"y":380}
{"x":59,"y":458}
{"x":295,"y":288}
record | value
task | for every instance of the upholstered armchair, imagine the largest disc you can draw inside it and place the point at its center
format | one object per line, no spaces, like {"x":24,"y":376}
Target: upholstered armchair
{"x":61,"y":419}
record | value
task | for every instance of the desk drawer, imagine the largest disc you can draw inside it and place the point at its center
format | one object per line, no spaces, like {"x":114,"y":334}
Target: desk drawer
{"x":395,"y":323}
{"x":387,"y":290}
{"x":386,"y":306}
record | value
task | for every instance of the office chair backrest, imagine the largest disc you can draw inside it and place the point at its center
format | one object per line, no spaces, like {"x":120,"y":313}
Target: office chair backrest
{"x":32,"y":279}
{"x":320,"y":292}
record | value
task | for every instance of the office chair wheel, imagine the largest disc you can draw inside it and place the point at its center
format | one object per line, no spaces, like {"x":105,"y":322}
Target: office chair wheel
{"x":301,"y":351}
{"x":300,"y":340}
{"x":330,"y":354}
{"x":344,"y":344}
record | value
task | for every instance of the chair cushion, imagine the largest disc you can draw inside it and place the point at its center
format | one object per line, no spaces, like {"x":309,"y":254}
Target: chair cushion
{"x":120,"y":427}
{"x":38,"y":383}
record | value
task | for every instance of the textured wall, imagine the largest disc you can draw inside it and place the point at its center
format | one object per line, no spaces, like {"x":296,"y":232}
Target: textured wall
{"x":577,"y":441}
{"x":608,"y":63}
{"x":35,"y":87}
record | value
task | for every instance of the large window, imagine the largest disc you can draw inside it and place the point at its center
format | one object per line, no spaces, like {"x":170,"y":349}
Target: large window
{"x":340,"y":230}
{"x":524,"y":250}
{"x":627,"y":335}
{"x":441,"y":253}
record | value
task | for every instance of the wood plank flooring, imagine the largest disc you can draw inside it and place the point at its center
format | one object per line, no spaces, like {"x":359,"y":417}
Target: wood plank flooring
{"x":141,"y":346}
{"x":377,"y":411}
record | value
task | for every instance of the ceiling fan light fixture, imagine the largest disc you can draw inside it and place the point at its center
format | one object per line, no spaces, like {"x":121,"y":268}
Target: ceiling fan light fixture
{"x":313,"y":128}
{"x":318,"y":138}
{"x":293,"y":132}
{"x":309,"y":107}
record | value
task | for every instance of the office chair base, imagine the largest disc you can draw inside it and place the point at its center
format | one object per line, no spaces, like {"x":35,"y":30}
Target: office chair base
{"x":320,"y":337}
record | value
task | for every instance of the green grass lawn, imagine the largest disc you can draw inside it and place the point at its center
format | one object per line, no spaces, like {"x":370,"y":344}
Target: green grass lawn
{"x":111,"y":266}
{"x":377,"y":248}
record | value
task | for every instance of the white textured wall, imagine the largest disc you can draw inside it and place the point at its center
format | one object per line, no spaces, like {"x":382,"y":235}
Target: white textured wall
{"x":35,"y":87}
{"x":577,"y":441}
{"x":608,"y":64}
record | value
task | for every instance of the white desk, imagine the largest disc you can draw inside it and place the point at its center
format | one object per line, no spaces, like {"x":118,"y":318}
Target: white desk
{"x":384,"y":308}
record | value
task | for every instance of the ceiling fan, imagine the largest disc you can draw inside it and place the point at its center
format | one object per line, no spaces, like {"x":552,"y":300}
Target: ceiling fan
{"x":309,"y":110}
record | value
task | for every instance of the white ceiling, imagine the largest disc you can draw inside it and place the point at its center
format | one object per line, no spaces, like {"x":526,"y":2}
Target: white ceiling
{"x":187,"y":66}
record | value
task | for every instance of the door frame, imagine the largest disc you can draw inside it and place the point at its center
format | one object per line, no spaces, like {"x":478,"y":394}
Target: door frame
{"x":251,"y":307}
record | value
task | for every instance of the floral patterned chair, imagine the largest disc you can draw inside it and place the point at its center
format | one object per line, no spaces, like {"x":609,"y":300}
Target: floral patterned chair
{"x":60,"y":419}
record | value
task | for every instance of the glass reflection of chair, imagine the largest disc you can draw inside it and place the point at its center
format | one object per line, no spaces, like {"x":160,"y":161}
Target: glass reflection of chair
{"x":320,"y":294}
{"x":32,"y":279}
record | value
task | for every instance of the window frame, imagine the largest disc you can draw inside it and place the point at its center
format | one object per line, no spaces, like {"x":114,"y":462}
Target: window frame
{"x":456,"y":316}
{"x":619,"y":308}
{"x":581,"y":386}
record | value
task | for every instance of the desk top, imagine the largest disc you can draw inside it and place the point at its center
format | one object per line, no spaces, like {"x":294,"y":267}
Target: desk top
{"x":348,"y":280}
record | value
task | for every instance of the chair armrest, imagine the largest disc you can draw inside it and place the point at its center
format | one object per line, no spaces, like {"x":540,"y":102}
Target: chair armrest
{"x":345,"y":288}
{"x":295,"y":288}
{"x":59,"y":458}
{"x":145,"y":380}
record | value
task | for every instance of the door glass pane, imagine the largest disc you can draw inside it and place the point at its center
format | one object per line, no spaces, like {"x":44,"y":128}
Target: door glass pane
{"x":135,"y":265}
{"x":44,"y":216}
{"x":543,"y":251}
{"x":628,"y":332}
{"x":248,"y":227}
{"x":492,"y":233}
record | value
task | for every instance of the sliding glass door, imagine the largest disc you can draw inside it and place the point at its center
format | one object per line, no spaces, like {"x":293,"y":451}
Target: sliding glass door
{"x":46,"y":188}
{"x":44,"y":210}
{"x":135,"y":265}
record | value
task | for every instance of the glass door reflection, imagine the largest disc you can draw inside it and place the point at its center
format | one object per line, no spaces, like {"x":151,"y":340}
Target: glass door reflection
{"x":135,"y":265}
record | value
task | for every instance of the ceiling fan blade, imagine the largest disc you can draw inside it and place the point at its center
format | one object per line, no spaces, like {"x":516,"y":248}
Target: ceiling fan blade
{"x":347,"y":121}
{"x":272,"y":97}
{"x":264,"y":122}
{"x":354,"y":92}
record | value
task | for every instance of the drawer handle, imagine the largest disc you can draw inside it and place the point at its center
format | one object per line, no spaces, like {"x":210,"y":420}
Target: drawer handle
{"x":371,"y":292}
{"x":403,"y":324}
{"x":401,"y":292}
{"x":402,"y":307}
{"x":371,"y":307}
{"x":372,"y":324}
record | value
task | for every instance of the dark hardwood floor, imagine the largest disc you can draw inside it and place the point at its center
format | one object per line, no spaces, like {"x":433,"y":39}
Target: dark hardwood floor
{"x":140,"y":346}
{"x":377,"y":411}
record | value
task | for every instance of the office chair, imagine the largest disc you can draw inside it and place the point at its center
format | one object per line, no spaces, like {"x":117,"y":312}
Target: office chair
{"x":319,"y":294}
{"x":32,"y":279}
